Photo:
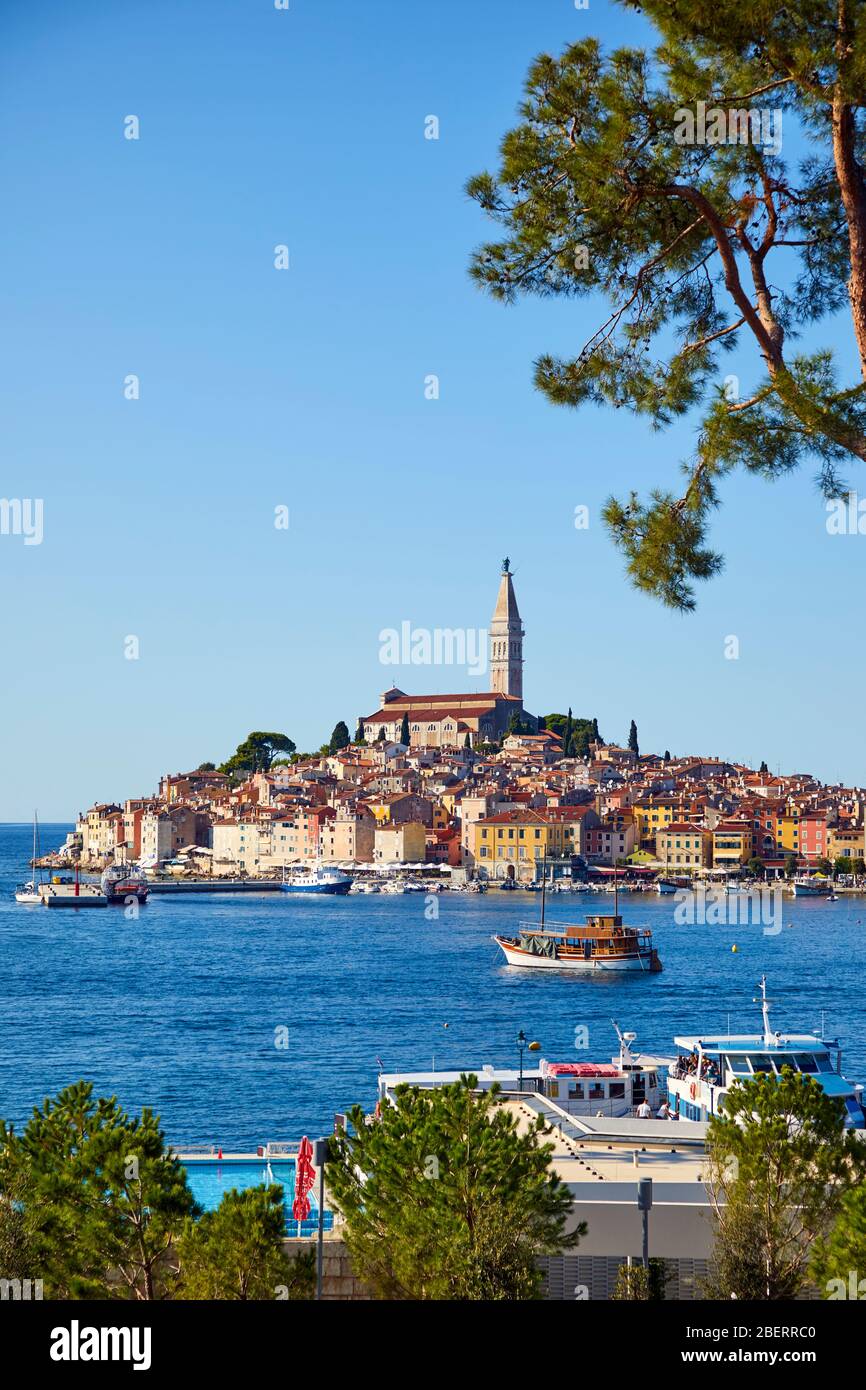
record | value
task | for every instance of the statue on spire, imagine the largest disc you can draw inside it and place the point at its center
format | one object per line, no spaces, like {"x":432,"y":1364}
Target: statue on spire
{"x":505,"y":566}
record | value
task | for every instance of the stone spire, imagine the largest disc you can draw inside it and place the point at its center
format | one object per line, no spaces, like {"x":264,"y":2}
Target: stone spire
{"x":506,"y":640}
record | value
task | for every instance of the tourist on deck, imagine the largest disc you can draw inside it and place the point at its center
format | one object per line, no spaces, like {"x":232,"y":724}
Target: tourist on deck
{"x":644,"y":1111}
{"x":664,"y":1111}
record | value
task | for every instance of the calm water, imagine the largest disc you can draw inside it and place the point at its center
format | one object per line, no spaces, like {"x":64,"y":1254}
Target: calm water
{"x":180,"y":1009}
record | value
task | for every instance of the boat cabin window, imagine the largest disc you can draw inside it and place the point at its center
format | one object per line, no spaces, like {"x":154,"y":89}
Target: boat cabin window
{"x":575,"y":1090}
{"x":762,"y":1064}
{"x":596,"y":1091}
{"x":804,"y":1061}
{"x":617,"y":1090}
{"x":738,"y":1065}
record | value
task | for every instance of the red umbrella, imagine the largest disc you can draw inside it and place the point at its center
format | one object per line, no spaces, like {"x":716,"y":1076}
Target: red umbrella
{"x":305,"y":1176}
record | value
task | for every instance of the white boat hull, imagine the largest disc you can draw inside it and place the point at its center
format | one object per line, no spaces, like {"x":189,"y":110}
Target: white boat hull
{"x":527,"y":961}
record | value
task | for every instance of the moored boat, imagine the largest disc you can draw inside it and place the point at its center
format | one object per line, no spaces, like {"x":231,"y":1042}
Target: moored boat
{"x":709,"y":1065}
{"x":320,"y":879}
{"x":810,"y":887}
{"x":31,"y":892}
{"x":120,"y":883}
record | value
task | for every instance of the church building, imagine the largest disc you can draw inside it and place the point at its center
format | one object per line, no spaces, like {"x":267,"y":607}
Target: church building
{"x":443,"y":721}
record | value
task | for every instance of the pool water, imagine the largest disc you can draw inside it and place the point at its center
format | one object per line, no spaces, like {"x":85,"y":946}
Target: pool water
{"x":210,"y":1179}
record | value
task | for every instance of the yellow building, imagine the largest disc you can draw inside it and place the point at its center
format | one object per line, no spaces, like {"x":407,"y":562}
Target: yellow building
{"x":732,"y":844}
{"x":654,"y":815}
{"x":508,"y":845}
{"x":788,"y":833}
{"x":845,"y":841}
{"x":684,"y":846}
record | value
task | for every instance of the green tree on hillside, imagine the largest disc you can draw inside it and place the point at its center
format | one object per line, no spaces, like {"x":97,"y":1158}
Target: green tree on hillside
{"x":445,"y":1198}
{"x":702,"y":242}
{"x":405,"y":736}
{"x":339,"y":738}
{"x":359,"y":733}
{"x":579,"y":737}
{"x":256,"y":754}
{"x":779,"y":1165}
{"x":632,"y":739}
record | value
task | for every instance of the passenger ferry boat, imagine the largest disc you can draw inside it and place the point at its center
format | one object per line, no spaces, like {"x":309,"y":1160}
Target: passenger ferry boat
{"x":707,"y":1067}
{"x":602,"y":943}
{"x":321,"y":879}
{"x":616,"y":1088}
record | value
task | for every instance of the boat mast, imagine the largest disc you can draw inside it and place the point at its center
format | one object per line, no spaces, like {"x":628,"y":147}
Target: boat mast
{"x":543,"y":886}
{"x":765,"y":1011}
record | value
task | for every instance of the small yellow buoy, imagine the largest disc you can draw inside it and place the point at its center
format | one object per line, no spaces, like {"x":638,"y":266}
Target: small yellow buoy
{"x":734,"y":948}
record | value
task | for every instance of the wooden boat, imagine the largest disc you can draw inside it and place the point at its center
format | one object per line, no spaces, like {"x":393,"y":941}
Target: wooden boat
{"x":601,"y":944}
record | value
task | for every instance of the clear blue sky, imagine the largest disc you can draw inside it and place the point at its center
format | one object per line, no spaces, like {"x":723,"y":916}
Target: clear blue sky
{"x":305,"y":388}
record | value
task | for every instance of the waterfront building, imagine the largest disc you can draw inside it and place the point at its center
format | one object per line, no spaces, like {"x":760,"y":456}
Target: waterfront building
{"x":682,"y":845}
{"x":404,"y":843}
{"x":732,"y":844}
{"x":348,"y":836}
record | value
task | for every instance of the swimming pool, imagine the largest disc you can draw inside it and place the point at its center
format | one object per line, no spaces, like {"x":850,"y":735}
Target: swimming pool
{"x":210,"y":1178}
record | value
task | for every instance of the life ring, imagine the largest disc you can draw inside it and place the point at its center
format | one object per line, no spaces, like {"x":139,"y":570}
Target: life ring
{"x":693,"y":1090}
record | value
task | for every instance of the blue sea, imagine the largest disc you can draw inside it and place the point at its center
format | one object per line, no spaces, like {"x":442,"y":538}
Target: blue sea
{"x":184,"y":1008}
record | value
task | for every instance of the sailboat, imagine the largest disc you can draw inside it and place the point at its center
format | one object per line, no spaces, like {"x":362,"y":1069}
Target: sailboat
{"x":31,"y":892}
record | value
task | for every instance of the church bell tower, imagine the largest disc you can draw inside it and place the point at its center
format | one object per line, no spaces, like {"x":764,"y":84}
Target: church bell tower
{"x":506,"y":640}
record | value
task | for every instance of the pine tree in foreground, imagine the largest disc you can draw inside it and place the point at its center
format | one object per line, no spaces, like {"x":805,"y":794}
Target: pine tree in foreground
{"x":779,"y":1166}
{"x":444,"y":1198}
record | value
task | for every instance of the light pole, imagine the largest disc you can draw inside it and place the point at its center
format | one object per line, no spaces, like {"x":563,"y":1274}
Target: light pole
{"x":320,"y":1153}
{"x":521,"y":1044}
{"x":644,"y":1202}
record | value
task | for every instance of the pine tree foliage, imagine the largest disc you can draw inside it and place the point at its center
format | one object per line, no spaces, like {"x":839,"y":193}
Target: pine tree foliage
{"x":779,"y":1165}
{"x":100,"y":1198}
{"x":444,"y":1198}
{"x":698,"y":248}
